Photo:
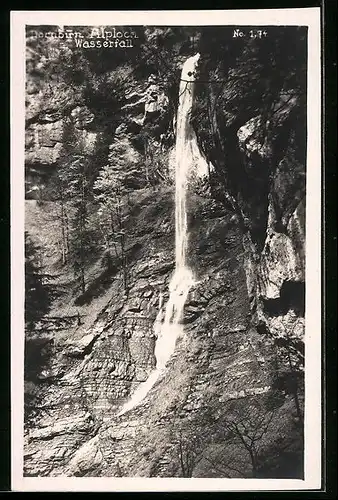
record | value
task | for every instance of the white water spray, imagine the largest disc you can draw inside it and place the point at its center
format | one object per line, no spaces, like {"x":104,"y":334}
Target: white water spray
{"x":170,"y":329}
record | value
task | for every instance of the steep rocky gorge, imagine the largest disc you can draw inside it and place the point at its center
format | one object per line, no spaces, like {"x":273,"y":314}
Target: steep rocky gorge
{"x":240,"y":359}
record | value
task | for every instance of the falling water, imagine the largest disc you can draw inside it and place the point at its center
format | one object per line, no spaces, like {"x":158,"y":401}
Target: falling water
{"x":169,"y":329}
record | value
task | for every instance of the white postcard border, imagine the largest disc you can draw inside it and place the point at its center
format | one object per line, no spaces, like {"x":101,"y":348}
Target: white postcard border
{"x":313,"y":376}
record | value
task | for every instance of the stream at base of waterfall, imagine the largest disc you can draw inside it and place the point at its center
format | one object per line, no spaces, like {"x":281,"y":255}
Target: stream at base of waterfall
{"x":170,"y":328}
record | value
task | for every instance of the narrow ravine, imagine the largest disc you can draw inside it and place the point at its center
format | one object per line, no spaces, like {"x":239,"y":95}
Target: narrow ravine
{"x":145,"y":354}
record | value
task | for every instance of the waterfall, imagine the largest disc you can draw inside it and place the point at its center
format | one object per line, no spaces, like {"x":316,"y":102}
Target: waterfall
{"x":170,"y":329}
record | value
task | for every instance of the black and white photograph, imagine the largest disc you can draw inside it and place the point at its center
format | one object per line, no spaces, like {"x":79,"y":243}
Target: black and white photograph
{"x":169,"y":323}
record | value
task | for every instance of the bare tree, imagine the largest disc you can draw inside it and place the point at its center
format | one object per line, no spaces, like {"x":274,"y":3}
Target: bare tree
{"x":240,"y":436}
{"x":189,"y":447}
{"x":290,"y":374}
{"x":249,"y":426}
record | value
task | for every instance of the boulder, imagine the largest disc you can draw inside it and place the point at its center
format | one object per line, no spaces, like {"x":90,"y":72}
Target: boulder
{"x":80,"y":347}
{"x":87,"y":458}
{"x":68,"y":425}
{"x":82,"y":116}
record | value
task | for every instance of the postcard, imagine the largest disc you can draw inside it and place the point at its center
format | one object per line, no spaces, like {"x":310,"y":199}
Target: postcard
{"x":166,"y":251}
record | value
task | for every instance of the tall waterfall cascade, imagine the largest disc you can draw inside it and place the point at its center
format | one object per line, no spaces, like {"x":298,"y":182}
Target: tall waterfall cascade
{"x":170,"y":328}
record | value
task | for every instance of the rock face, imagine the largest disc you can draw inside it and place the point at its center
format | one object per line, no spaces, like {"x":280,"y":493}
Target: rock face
{"x":134,"y":143}
{"x":46,"y":136}
{"x":221,"y":358}
{"x":108,"y":363}
{"x":150,"y":101}
{"x":283,"y":255}
{"x":45,"y":142}
{"x":279,"y":269}
{"x":262,"y":159}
